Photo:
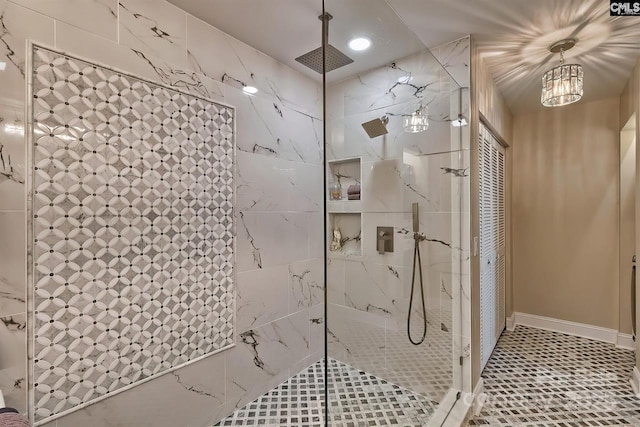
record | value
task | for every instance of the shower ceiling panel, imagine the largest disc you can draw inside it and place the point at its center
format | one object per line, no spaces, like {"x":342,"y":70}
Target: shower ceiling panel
{"x":132,"y":239}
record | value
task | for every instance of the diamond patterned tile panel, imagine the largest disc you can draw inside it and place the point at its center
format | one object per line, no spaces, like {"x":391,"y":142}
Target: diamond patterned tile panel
{"x":132,"y":230}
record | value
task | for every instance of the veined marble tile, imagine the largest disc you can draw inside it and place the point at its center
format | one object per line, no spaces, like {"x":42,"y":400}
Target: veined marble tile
{"x":306,"y":190}
{"x":383,"y":185}
{"x":76,"y":41}
{"x":263,"y":356}
{"x":12,"y":161}
{"x":316,"y":235}
{"x":335,"y":281}
{"x":269,"y":128}
{"x":267,"y":239}
{"x":155,"y":28}
{"x":226,"y":59}
{"x":13,"y":336}
{"x":187,"y":396}
{"x":264,"y":183}
{"x":455,"y":57}
{"x":98,"y":16}
{"x":12,"y":263}
{"x":306,"y":284}
{"x":316,"y":330}
{"x":271,"y":184}
{"x":17,"y":25}
{"x":373,"y":288}
{"x":262,"y":296}
{"x":356,"y":337}
{"x":434,"y":181}
{"x":413,"y":78}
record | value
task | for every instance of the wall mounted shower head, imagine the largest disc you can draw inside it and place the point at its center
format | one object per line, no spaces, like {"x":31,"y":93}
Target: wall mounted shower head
{"x":376,"y":127}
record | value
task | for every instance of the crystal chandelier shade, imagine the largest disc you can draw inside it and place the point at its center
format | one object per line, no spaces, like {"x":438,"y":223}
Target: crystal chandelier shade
{"x":563,"y":84}
{"x":418,"y":121}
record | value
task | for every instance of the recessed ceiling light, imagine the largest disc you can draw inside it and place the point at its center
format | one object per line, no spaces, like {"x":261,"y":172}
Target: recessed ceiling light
{"x":3,"y":65}
{"x":359,"y":43}
{"x":250,"y":90}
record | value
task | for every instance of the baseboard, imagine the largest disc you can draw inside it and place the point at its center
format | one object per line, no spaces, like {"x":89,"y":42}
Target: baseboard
{"x":479,"y":397}
{"x":572,"y":328}
{"x":511,"y":322}
{"x":635,"y":381}
{"x":625,"y":341}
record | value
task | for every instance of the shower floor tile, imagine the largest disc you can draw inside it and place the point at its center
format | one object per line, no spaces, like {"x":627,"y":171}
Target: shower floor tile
{"x":542,"y":378}
{"x":356,"y":399}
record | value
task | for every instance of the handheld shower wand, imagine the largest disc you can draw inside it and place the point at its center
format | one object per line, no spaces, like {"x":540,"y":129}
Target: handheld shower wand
{"x":417,"y":237}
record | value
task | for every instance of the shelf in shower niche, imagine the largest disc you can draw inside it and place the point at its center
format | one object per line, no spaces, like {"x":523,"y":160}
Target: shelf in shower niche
{"x":350,"y":226}
{"x":346,"y":171}
{"x":340,"y":255}
{"x":344,"y":206}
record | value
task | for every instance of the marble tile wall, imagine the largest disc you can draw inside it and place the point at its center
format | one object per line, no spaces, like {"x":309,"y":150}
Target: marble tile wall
{"x":279,"y":189}
{"x":369,"y":294}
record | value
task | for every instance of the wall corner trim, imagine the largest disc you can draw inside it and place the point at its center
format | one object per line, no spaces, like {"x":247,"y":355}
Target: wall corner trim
{"x":625,"y":341}
{"x":635,"y":382}
{"x":511,"y":322}
{"x":479,"y":397}
{"x":583,"y":330}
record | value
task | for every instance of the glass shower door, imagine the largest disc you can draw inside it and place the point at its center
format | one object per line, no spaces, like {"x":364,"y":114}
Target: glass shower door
{"x":394,"y":169}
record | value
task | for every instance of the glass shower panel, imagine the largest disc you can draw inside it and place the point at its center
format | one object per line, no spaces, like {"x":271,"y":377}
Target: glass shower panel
{"x":393,"y":164}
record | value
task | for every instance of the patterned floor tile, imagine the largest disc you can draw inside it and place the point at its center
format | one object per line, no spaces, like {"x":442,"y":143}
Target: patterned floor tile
{"x":542,"y":378}
{"x":356,"y":399}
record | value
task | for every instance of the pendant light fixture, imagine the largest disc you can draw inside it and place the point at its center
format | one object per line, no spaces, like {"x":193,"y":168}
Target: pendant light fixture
{"x":418,"y":121}
{"x":562,"y":85}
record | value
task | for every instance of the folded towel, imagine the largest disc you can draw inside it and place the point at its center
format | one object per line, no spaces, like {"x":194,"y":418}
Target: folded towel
{"x":354,"y":196}
{"x":13,"y":419}
{"x":353,"y":189}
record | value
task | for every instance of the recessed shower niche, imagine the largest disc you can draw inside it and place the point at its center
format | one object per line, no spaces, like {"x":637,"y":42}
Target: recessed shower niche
{"x":345,"y":234}
{"x":344,"y":185}
{"x":132,"y":234}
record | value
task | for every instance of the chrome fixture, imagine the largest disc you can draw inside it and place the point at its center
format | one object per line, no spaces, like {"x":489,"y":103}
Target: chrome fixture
{"x":335,"y":58}
{"x":459,"y":121}
{"x":563,"y":84}
{"x":376,"y":127}
{"x":418,"y":121}
{"x":384,"y":236}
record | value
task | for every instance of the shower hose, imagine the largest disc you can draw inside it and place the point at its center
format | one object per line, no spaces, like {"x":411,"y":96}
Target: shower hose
{"x":416,"y":257}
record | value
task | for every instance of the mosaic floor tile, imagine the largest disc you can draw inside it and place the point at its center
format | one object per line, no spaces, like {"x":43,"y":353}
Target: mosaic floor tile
{"x":542,"y":378}
{"x":356,"y":399}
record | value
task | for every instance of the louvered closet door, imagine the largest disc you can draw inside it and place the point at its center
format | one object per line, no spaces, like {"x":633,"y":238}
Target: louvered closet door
{"x":492,"y":242}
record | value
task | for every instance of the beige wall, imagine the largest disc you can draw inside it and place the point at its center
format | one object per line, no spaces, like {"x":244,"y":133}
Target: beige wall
{"x":492,"y":105}
{"x":565,"y":213}
{"x":630,"y":105}
{"x":627,"y":225}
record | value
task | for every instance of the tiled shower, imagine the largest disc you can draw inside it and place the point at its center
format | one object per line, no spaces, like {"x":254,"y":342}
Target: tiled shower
{"x":163,"y":255}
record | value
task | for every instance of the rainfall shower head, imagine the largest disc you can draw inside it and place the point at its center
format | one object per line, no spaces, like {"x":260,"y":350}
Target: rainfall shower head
{"x":376,"y":127}
{"x":335,"y":58}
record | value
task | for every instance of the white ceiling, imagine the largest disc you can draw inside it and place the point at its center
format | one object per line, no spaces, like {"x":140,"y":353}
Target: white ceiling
{"x":512,"y":36}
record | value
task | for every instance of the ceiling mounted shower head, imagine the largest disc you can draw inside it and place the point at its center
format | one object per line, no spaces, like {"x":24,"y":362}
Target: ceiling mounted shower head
{"x":335,"y":58}
{"x":376,"y":127}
